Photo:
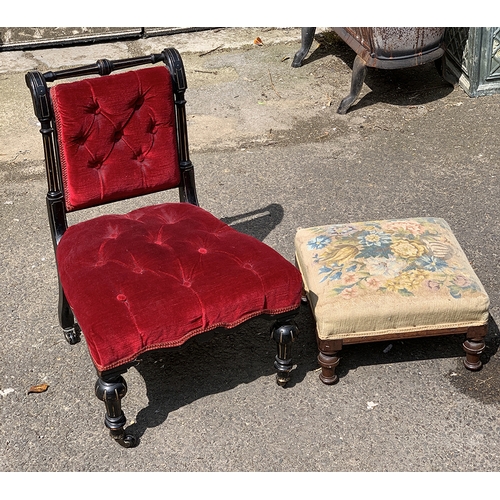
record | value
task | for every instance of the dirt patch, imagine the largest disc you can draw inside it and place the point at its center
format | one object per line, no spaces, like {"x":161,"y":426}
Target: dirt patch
{"x":251,"y":96}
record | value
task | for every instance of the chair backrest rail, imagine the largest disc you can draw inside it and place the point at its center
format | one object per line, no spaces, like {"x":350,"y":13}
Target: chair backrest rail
{"x":103,"y":67}
{"x":37,"y":82}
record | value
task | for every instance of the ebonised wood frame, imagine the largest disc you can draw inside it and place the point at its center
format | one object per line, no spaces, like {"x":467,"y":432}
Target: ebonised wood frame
{"x":111,"y":386}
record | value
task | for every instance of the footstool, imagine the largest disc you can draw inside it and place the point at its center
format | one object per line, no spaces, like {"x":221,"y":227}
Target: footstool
{"x":389,"y":279}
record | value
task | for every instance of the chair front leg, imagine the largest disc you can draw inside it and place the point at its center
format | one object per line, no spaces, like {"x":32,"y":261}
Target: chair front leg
{"x":111,"y":389}
{"x":284,"y":334}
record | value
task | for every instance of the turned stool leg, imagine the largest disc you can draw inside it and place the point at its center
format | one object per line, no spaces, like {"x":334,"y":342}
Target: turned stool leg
{"x":474,"y":347}
{"x":328,"y":359}
{"x":284,"y":334}
{"x":357,"y":79}
{"x":111,"y":389}
{"x":307,"y":40}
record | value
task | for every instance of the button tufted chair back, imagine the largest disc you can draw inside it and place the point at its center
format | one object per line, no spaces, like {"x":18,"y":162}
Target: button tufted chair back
{"x":162,"y":274}
{"x":117,"y":136}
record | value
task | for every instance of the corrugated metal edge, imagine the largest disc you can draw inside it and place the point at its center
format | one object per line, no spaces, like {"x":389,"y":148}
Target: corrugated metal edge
{"x":147,"y":32}
{"x":89,"y":38}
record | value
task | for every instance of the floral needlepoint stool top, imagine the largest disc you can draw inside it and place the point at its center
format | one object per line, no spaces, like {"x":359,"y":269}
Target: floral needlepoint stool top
{"x":388,"y":276}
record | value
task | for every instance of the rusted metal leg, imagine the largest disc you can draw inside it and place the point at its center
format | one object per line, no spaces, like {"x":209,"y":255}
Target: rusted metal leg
{"x":328,"y":359}
{"x":474,"y":347}
{"x":284,"y":333}
{"x":111,"y":389}
{"x":357,"y":80}
{"x":307,"y":40}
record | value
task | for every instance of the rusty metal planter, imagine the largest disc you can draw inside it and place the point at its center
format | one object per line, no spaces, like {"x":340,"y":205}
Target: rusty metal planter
{"x":391,"y":48}
{"x":385,"y":48}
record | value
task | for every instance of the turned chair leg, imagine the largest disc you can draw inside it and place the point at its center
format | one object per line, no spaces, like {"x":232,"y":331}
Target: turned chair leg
{"x":71,"y":329}
{"x":328,"y":359}
{"x":357,"y":80}
{"x":474,"y":346}
{"x":111,"y":389}
{"x":284,"y":334}
{"x":306,"y":40}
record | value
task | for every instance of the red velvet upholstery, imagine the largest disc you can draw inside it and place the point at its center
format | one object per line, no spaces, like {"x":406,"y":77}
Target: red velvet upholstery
{"x":159,"y":275}
{"x":116,"y":143}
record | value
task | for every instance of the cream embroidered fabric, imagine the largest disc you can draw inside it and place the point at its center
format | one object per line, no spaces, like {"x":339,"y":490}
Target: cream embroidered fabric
{"x":389,"y":276}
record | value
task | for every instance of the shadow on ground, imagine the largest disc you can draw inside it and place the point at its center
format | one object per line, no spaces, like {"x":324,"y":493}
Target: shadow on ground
{"x":221,"y":360}
{"x":257,"y":223}
{"x":481,"y":385}
{"x":176,"y":378}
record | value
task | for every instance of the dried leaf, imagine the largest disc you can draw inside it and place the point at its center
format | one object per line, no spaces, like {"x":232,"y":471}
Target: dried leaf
{"x":258,"y":41}
{"x":38,"y":388}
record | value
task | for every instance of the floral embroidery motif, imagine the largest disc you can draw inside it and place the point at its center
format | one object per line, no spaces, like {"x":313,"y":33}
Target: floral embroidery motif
{"x":394,"y":256}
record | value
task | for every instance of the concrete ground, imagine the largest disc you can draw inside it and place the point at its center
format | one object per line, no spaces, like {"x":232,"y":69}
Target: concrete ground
{"x":271,"y":155}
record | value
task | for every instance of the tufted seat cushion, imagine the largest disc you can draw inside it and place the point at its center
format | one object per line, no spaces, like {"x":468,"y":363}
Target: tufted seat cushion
{"x":388,"y":277}
{"x":159,"y":275}
{"x":116,"y":144}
